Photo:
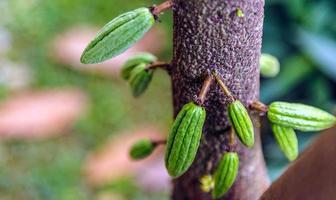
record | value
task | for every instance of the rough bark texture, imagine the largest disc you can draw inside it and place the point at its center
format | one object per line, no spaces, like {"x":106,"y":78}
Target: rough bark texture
{"x":209,"y":35}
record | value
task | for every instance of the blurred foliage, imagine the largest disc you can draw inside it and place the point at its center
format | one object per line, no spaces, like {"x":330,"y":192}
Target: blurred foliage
{"x":301,"y":33}
{"x":52,"y":169}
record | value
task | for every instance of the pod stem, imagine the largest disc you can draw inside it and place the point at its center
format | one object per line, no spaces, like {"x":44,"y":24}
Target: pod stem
{"x":259,"y":106}
{"x":159,"y":64}
{"x":205,"y":89}
{"x":223,"y":86}
{"x":231,"y":139}
{"x":156,"y":10}
{"x":159,"y":142}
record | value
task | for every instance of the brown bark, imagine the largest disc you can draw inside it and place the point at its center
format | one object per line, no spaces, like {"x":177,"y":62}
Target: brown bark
{"x":312,"y":176}
{"x":209,"y":35}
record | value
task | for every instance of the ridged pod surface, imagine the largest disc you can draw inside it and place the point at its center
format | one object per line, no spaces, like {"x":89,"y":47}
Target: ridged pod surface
{"x":300,"y":116}
{"x":241,"y":123}
{"x":140,"y":79}
{"x":225,"y":174}
{"x":118,"y":35}
{"x":131,"y":63}
{"x":184,"y":139}
{"x":141,"y":149}
{"x":287,"y":141}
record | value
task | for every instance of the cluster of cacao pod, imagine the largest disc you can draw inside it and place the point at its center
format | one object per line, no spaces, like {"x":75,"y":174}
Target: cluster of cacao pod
{"x":186,"y":132}
{"x":227,"y":169}
{"x":137,"y":73}
{"x":287,"y":117}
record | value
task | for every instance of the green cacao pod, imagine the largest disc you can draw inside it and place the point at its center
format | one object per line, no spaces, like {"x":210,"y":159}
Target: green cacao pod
{"x":225,"y":174}
{"x":184,"y":139}
{"x":118,"y":35}
{"x":299,"y":116}
{"x":269,"y":66}
{"x":140,"y":79}
{"x":131,"y":63}
{"x":241,"y":123}
{"x":141,"y":149}
{"x":287,"y":141}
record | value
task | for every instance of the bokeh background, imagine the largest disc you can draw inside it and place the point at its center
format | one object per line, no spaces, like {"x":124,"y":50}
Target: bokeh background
{"x":65,"y":128}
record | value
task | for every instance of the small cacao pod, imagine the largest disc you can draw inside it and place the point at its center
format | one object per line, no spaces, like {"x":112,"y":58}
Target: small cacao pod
{"x":118,"y":35}
{"x":225,"y":174}
{"x":184,"y":139}
{"x":131,"y":63}
{"x":141,"y":149}
{"x":287,"y":141}
{"x":269,"y":66}
{"x":140,"y":79}
{"x":241,"y":123}
{"x":300,"y":116}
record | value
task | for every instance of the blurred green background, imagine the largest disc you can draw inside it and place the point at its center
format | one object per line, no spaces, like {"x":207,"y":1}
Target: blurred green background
{"x":301,"y":33}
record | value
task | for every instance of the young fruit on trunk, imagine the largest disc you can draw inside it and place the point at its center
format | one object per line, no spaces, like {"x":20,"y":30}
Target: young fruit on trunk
{"x":225,"y":174}
{"x":287,"y":141}
{"x":300,"y":116}
{"x":118,"y":35}
{"x":241,"y":123}
{"x":184,"y":139}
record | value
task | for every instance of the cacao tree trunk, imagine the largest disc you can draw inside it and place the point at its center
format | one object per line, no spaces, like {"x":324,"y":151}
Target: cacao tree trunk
{"x":209,"y":35}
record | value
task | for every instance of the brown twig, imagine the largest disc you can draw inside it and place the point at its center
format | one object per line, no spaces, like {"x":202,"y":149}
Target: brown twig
{"x":232,"y":139}
{"x":223,"y":87}
{"x":259,"y":106}
{"x":161,"y":65}
{"x":159,"y":142}
{"x":156,"y":10}
{"x":205,"y":89}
